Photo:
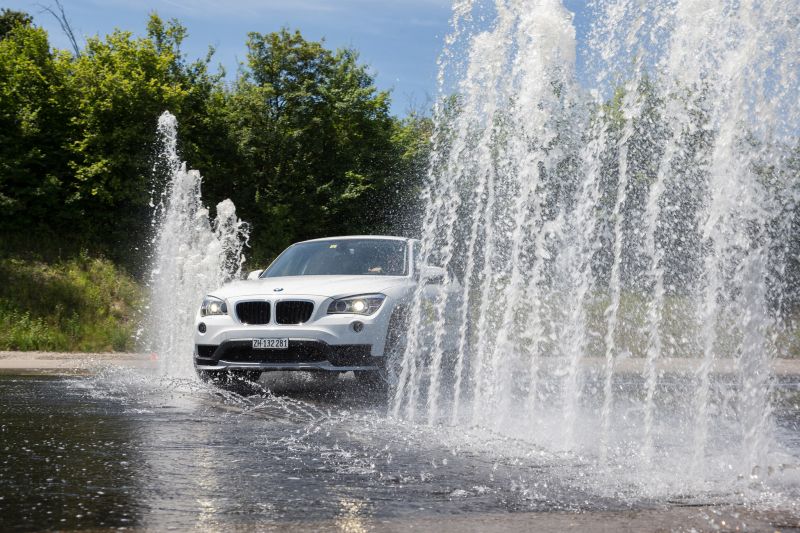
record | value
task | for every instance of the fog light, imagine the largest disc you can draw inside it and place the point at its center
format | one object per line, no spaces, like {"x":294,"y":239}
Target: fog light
{"x":358,"y":326}
{"x":201,"y":327}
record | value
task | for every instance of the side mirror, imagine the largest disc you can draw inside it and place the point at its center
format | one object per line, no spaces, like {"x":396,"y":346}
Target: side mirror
{"x":431,"y":275}
{"x":254,"y":274}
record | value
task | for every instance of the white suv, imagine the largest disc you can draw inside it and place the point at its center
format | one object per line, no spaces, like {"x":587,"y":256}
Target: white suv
{"x":332,"y":305}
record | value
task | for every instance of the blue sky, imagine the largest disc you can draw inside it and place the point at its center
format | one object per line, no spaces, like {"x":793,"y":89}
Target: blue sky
{"x":399,"y":39}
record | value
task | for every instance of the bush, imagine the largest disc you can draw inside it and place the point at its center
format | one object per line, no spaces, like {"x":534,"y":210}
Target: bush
{"x":82,"y":304}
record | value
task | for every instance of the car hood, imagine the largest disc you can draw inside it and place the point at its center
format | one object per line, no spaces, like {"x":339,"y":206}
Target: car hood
{"x":327,"y":286}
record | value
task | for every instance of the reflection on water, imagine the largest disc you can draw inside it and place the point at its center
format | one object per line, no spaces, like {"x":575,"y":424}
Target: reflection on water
{"x":351,"y":518}
{"x":134,"y":451}
{"x":68,"y":461}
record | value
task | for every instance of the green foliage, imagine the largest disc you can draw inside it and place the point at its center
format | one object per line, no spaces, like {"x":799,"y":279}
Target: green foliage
{"x":10,"y":19}
{"x":33,"y":110}
{"x":303,"y":143}
{"x":120,"y":85}
{"x":76,"y":133}
{"x":399,"y":200}
{"x":79,"y":304}
{"x":315,"y":144}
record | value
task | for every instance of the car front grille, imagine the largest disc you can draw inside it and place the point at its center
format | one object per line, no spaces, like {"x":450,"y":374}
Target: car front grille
{"x":293,"y":312}
{"x":253,"y":312}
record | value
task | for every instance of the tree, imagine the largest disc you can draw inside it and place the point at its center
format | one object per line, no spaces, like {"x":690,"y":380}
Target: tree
{"x":10,"y":19}
{"x":120,"y":85}
{"x":77,"y":134}
{"x":303,"y":143}
{"x":34,"y":128}
{"x":314,"y":139}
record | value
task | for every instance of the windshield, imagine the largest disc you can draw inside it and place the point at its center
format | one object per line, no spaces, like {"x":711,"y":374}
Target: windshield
{"x":345,"y":257}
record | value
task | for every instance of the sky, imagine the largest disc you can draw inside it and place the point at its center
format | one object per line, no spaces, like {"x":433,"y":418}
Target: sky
{"x":399,"y":40}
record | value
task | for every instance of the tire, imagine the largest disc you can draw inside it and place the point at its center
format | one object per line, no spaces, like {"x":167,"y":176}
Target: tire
{"x":231,"y":380}
{"x":388,"y":373}
{"x":209,"y":376}
{"x":325,"y":378}
{"x":371,"y":379}
{"x":246,"y":375}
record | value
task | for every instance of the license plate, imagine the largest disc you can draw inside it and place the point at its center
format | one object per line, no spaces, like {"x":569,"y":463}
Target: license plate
{"x":270,"y":344}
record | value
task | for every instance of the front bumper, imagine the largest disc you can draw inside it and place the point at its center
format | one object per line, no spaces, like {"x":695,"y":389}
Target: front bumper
{"x":321,"y":327}
{"x":323,"y":342}
{"x":302,"y":354}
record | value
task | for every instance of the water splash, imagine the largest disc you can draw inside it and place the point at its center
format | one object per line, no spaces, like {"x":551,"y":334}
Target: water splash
{"x":619,"y":235}
{"x":192,"y":254}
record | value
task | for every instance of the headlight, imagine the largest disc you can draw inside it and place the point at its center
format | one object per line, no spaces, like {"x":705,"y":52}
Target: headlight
{"x":213,"y":306}
{"x":365,"y":304}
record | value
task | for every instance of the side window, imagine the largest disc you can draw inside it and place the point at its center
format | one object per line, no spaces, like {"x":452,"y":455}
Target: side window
{"x":416,"y":247}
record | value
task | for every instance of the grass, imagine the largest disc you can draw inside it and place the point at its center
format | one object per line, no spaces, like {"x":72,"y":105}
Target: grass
{"x":90,"y":304}
{"x":680,"y":330}
{"x":81,"y":304}
{"x":681,"y":333}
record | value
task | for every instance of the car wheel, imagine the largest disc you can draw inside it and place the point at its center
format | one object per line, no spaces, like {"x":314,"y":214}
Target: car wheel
{"x":386,"y":377}
{"x":233,"y":380}
{"x":388,"y":373}
{"x":325,"y":378}
{"x":246,"y":375}
{"x":209,"y":376}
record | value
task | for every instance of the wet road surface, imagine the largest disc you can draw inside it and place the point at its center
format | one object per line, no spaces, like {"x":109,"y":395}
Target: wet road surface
{"x":126,"y":450}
